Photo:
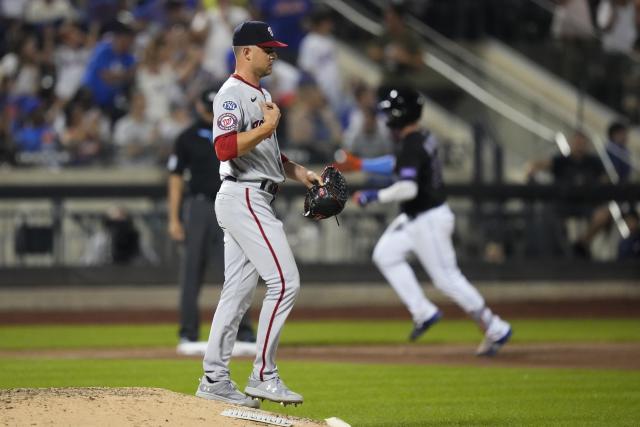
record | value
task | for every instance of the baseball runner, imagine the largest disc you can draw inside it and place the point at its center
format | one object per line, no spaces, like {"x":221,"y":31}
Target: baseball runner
{"x":424,"y":227}
{"x":255,"y":244}
{"x":200,"y":231}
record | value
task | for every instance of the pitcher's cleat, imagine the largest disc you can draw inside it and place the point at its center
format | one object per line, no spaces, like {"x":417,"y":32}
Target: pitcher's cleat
{"x":488,"y":347}
{"x":224,"y":391}
{"x":274,"y":390}
{"x":420,"y":328}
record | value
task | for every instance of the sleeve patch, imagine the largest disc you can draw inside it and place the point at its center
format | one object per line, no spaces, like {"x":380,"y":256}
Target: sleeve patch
{"x":408,"y":173}
{"x":229,"y":105}
{"x":227,"y":121}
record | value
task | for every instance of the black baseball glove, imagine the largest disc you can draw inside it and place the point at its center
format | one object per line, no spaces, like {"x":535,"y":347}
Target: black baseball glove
{"x":328,"y":200}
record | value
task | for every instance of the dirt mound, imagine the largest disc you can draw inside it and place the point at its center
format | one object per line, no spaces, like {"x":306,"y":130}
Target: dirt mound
{"x":115,"y":407}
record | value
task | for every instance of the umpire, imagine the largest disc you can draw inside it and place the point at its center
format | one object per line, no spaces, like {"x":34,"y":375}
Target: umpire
{"x":193,"y":151}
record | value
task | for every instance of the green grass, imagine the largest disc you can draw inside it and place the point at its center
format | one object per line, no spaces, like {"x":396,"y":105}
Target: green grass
{"x":382,"y":395}
{"x":320,"y":332}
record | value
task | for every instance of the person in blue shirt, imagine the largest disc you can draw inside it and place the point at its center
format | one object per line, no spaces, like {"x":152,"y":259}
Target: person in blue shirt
{"x":286,"y":20}
{"x":618,"y":151}
{"x":35,"y":136}
{"x":111,"y":69}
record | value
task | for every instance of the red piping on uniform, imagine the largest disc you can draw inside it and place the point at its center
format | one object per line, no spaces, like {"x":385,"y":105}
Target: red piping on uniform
{"x":284,"y":158}
{"x":275,"y":310}
{"x":239,"y":77}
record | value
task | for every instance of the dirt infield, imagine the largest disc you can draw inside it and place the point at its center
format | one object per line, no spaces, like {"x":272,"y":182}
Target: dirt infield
{"x":548,"y":355}
{"x":600,"y":308}
{"x":117,"y":406}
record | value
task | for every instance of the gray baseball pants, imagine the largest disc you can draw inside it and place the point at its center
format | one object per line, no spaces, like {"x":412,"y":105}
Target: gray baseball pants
{"x":254,"y":245}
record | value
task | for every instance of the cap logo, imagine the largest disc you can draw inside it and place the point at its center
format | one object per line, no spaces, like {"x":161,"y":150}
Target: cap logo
{"x":227,"y":121}
{"x":270,"y":31}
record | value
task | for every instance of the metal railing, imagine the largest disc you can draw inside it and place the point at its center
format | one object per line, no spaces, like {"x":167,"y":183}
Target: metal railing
{"x":474,"y":80}
{"x":527,"y":222}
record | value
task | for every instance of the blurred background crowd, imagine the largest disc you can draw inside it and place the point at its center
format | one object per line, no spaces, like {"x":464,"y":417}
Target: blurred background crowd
{"x":102,"y":82}
{"x":99,"y":82}
{"x":111,"y":83}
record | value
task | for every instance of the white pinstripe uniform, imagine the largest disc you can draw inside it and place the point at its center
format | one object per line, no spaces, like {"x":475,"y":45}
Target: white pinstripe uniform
{"x":254,"y":239}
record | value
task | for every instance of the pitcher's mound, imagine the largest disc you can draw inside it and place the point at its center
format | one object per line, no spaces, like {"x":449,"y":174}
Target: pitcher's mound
{"x":111,"y":407}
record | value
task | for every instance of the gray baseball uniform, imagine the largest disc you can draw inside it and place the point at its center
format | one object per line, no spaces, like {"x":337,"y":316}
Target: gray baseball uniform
{"x":254,"y":240}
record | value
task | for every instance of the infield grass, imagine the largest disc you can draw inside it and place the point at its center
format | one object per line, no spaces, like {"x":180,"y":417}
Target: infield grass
{"x":320,"y":333}
{"x":362,"y":394}
{"x":382,"y":395}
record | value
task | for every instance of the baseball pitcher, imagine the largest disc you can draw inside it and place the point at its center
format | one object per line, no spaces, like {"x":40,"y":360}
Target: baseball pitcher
{"x":251,"y":169}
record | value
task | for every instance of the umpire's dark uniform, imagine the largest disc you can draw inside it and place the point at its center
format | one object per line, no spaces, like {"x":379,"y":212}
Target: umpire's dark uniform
{"x":193,"y":151}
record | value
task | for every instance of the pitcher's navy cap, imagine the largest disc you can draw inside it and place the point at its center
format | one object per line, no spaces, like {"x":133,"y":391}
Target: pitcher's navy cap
{"x":255,"y":33}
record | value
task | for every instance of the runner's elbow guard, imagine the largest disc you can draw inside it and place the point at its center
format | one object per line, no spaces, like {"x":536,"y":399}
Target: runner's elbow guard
{"x":399,"y":192}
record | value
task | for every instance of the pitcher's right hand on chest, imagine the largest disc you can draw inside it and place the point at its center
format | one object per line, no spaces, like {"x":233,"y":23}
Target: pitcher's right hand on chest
{"x":271,"y":114}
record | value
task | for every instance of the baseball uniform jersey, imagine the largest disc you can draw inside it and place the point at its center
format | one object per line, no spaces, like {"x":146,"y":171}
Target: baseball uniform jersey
{"x":237,"y":109}
{"x":425,"y":227}
{"x":255,"y":242}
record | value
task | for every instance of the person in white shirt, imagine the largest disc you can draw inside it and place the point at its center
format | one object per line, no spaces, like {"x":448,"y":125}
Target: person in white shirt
{"x":572,"y":20}
{"x":367,"y":134}
{"x":47,"y":11}
{"x":135,"y":136}
{"x":217,"y":25}
{"x":71,"y":58}
{"x":317,"y":56}
{"x":617,"y":20}
{"x":158,"y":80}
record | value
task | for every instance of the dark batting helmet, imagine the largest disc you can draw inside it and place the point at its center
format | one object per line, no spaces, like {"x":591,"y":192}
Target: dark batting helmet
{"x":402,"y":106}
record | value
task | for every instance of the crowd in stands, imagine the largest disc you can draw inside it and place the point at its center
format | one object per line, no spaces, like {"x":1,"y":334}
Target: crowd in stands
{"x":112,"y":82}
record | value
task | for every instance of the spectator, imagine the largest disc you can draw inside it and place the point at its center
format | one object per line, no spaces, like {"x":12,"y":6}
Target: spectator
{"x":617,"y":21}
{"x":71,"y":58}
{"x":111,"y":70}
{"x":601,"y":218}
{"x":186,"y":55}
{"x":36,"y":133}
{"x":367,"y":134}
{"x":160,"y":15}
{"x":572,"y":21}
{"x":103,"y":12}
{"x":6,"y":149}
{"x":40,"y":12}
{"x":158,"y":80}
{"x":399,"y":51}
{"x":580,"y":167}
{"x":169,"y":129}
{"x":27,"y":79}
{"x":629,"y":247}
{"x":285,"y":18}
{"x":318,"y":57}
{"x":618,"y":151}
{"x":12,"y":9}
{"x":84,"y":131}
{"x":312,"y":126}
{"x":215,"y":27}
{"x":135,"y":136}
